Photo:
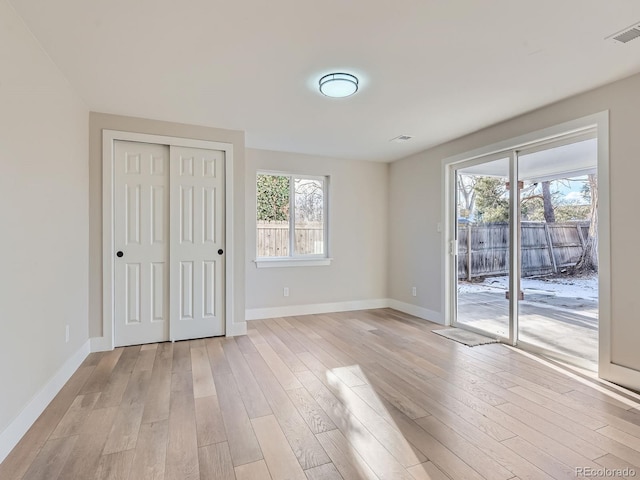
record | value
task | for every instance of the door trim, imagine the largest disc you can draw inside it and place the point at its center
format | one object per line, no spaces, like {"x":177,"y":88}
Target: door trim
{"x":108,"y":252}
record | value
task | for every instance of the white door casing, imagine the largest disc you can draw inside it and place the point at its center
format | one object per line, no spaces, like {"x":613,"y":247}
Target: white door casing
{"x":109,"y":138}
{"x":141,"y":238}
{"x":197,"y":242}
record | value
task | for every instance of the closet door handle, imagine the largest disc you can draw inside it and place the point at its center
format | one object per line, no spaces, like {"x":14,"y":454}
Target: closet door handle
{"x":119,"y":254}
{"x":220,"y":251}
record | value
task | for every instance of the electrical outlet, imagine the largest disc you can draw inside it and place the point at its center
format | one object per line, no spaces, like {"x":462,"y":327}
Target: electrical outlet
{"x":414,"y":292}
{"x":66,"y":334}
{"x":285,"y":291}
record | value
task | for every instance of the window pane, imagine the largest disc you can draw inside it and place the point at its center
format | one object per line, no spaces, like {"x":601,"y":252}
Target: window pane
{"x":273,"y":215}
{"x":309,"y":217}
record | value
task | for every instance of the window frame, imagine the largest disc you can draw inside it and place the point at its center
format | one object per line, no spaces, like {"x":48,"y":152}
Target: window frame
{"x":294,"y":259}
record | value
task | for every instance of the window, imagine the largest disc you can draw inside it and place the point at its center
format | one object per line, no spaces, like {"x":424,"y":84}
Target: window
{"x":291,"y":218}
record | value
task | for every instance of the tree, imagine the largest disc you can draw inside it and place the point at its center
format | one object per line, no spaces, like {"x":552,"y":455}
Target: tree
{"x":549,"y":214}
{"x":272,"y":197}
{"x":588,"y":262}
{"x":309,"y":200}
{"x":492,"y":203}
{"x":466,"y":195}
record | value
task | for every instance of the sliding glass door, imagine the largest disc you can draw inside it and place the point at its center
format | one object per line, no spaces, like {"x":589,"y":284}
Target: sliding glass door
{"x":482,"y":240}
{"x":525,"y":243}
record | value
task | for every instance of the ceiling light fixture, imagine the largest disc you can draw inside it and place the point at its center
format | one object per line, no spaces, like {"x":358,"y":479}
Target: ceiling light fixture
{"x":338,"y":85}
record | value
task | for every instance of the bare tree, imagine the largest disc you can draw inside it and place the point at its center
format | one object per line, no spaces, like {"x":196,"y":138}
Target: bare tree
{"x":588,"y":262}
{"x":549,"y":214}
{"x":466,"y":195}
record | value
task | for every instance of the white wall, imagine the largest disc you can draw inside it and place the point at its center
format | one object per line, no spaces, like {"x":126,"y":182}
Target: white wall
{"x":357,"y":235}
{"x":44,"y":219}
{"x":416,"y":249}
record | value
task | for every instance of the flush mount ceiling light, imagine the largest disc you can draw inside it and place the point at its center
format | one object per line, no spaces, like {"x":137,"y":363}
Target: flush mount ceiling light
{"x":338,"y":85}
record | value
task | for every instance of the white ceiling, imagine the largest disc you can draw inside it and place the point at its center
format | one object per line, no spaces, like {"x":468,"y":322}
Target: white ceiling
{"x":565,"y":161}
{"x":432,"y":69}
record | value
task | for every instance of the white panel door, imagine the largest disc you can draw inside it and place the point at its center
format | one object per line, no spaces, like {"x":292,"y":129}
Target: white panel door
{"x":141,"y":239}
{"x":197,"y":243}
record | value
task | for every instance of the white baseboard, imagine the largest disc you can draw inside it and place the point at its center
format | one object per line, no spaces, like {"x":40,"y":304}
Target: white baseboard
{"x":100,"y":344}
{"x":10,"y":437}
{"x":237,"y":329}
{"x":312,"y":309}
{"x":417,"y":311}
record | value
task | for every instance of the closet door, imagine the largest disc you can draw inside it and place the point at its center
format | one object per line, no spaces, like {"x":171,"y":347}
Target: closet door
{"x":141,"y":239}
{"x":197,"y":243}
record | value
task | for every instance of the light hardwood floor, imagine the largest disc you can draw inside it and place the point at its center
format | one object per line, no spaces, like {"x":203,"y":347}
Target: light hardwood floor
{"x":358,"y":395}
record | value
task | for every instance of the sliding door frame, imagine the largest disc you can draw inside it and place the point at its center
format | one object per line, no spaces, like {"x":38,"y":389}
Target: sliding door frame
{"x":511,"y":148}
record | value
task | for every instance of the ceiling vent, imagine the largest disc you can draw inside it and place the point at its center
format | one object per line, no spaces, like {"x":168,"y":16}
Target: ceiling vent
{"x":401,"y":139}
{"x":626,"y":35}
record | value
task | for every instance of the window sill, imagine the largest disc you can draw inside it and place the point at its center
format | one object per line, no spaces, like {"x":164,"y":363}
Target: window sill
{"x":292,"y":262}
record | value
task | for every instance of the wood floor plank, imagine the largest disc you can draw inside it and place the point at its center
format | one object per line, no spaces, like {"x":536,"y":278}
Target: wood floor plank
{"x":146,"y":358}
{"x":215,"y":462}
{"x":304,"y":444}
{"x":278,"y":456}
{"x":84,"y":459}
{"x":383,"y":463}
{"x":567,"y":412}
{"x":427,"y":471}
{"x":127,"y":361}
{"x":466,"y":450}
{"x":150,"y":453}
{"x":245,"y":344}
{"x":490,"y":459}
{"x":284,"y":353}
{"x":74,"y":419}
{"x":310,"y":411}
{"x":209,"y":422}
{"x":93,"y":359}
{"x":327,"y":471}
{"x":440,"y":402}
{"x":253,"y":398}
{"x":112,"y":393}
{"x":545,"y":462}
{"x":100,"y":375}
{"x":384,"y":431}
{"x":124,"y":431}
{"x":243,"y":443}
{"x":620,"y":436}
{"x":115,"y":466}
{"x":373,"y":395}
{"x":158,"y":398}
{"x":569,"y":439}
{"x":181,"y":356}
{"x":182,"y":446}
{"x":445,"y":459}
{"x":217,"y":359}
{"x":285,"y":376}
{"x":285,"y":337}
{"x":21,"y":457}
{"x":203,"y":385}
{"x":348,"y":462}
{"x":49,"y":462}
{"x":315,"y":364}
{"x":253,"y":471}
{"x":137,"y":387}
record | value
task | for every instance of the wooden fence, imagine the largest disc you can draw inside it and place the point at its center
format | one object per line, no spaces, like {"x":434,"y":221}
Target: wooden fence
{"x":545,"y":248}
{"x":273,"y":239}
